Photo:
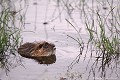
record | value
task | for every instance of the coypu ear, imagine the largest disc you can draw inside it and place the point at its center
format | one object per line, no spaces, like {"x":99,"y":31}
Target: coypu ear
{"x":40,"y":46}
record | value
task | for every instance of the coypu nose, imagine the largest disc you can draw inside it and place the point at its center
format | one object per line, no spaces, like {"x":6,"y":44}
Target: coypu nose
{"x":54,"y":48}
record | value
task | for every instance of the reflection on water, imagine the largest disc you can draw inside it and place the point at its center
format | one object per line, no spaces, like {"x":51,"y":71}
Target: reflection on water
{"x":46,"y":59}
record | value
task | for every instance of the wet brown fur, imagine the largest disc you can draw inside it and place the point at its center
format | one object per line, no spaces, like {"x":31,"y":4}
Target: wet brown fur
{"x":43,"y":52}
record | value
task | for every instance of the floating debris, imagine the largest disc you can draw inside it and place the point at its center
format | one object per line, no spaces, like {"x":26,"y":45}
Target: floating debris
{"x":105,"y":8}
{"x":45,"y":23}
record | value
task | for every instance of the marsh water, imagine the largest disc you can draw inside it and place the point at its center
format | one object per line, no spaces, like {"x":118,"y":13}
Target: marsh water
{"x":44,"y":22}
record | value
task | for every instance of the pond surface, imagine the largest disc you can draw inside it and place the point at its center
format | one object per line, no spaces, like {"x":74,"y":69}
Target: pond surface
{"x":41,"y":26}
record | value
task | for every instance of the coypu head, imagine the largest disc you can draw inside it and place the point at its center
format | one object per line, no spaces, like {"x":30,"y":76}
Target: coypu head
{"x":43,"y":49}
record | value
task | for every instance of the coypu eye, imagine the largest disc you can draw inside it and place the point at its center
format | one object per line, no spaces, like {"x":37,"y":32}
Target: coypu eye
{"x":45,"y":46}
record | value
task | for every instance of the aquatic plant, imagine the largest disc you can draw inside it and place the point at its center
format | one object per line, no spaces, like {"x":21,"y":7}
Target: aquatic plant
{"x":104,"y":35}
{"x":11,"y":22}
{"x":102,"y":22}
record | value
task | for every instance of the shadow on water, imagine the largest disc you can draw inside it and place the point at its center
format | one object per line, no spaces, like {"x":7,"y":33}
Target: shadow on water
{"x":42,"y":52}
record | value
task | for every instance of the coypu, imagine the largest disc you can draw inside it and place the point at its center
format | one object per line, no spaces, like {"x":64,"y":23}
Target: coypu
{"x":43,"y":52}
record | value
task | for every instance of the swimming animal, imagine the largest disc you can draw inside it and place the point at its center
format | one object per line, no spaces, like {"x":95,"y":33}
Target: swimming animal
{"x":43,"y":52}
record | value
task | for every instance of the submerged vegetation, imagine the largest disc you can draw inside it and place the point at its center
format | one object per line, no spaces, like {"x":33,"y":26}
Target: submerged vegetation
{"x":11,"y":22}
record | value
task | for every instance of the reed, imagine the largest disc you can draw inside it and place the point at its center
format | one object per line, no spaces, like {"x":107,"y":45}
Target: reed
{"x":102,"y":23}
{"x":10,"y":37}
{"x":105,"y":37}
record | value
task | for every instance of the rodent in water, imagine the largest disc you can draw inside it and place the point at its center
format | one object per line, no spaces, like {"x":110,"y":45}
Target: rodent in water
{"x":42,"y":52}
